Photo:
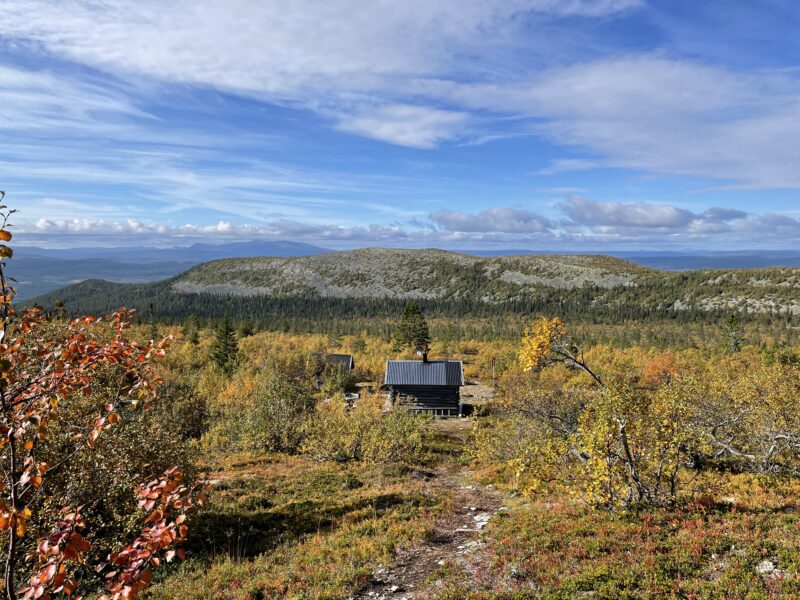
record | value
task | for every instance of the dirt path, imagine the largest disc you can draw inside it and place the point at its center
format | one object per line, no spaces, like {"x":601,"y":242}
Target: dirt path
{"x":454,"y":543}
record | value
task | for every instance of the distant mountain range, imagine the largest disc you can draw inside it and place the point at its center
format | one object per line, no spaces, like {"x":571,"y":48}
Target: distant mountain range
{"x":37,"y":275}
{"x":196,"y":253}
{"x":40,"y":270}
{"x":720,"y":260}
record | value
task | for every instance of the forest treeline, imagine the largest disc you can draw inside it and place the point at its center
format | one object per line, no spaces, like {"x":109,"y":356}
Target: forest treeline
{"x":455,"y":318}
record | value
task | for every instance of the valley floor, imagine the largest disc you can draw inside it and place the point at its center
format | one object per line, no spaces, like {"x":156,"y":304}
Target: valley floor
{"x":289,"y":527}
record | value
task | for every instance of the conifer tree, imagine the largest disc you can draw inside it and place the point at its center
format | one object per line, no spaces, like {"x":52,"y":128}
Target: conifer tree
{"x":359,"y":344}
{"x":190,"y":330}
{"x":225,"y":346}
{"x":734,"y":333}
{"x":413,"y":330}
{"x":244,"y":328}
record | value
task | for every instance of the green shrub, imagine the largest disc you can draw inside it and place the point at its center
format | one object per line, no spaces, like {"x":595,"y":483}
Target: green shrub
{"x":137,"y":449}
{"x":337,"y":381}
{"x":366,"y":433}
{"x":270,"y":418}
{"x":184,"y":408}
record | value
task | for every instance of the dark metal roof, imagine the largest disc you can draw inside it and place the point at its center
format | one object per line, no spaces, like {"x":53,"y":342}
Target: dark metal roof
{"x":416,"y":372}
{"x":342,"y":360}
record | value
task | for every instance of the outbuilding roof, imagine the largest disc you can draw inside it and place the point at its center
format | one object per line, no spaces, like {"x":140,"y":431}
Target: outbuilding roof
{"x":336,"y":360}
{"x":417,"y":372}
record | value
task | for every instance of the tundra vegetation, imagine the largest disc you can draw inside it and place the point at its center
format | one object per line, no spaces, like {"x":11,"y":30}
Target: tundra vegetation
{"x":633,"y":471}
{"x":652,"y":459}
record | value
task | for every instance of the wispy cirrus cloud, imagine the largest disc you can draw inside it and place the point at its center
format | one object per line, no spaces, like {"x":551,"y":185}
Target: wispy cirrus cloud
{"x":563,"y":165}
{"x":154,"y":112}
{"x":360,"y":64}
{"x":310,"y":47}
{"x":207,"y":178}
{"x":42,"y":100}
{"x":643,"y":112}
{"x":677,"y":117}
{"x":405,"y":125}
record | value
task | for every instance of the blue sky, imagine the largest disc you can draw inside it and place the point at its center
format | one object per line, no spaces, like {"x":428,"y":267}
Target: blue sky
{"x":541,"y":124}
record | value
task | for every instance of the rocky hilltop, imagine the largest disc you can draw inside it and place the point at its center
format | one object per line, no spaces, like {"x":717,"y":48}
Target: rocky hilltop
{"x":421,"y":274}
{"x":587,"y":284}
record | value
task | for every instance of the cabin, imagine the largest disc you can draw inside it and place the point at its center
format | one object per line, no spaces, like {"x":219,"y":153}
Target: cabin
{"x":432,"y":386}
{"x":346,"y":362}
{"x":329,"y":362}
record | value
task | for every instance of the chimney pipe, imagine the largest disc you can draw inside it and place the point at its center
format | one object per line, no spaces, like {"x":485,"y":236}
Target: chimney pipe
{"x":425,"y":353}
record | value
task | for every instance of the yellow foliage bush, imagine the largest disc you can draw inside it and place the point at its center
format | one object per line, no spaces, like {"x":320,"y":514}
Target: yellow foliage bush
{"x":264,"y":411}
{"x":637,"y":434}
{"x":539,"y":342}
{"x":365,"y":432}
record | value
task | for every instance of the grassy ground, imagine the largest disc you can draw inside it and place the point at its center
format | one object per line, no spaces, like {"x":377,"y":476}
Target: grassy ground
{"x":287,"y":527}
{"x":741,"y":545}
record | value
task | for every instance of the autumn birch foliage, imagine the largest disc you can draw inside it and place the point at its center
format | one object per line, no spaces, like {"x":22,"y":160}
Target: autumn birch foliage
{"x":546,"y":343}
{"x":42,"y":368}
{"x":617,"y":445}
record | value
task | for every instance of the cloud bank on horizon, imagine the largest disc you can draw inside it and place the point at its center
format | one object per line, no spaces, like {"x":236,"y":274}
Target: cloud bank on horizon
{"x":571,"y":124}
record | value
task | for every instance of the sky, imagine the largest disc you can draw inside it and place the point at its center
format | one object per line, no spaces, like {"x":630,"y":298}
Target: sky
{"x":556,"y":125}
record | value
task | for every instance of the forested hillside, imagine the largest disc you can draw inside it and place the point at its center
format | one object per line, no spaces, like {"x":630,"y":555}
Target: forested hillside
{"x":349,"y":288}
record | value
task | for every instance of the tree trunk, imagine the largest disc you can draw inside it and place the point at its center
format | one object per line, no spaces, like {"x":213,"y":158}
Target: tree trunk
{"x":11,"y":565}
{"x":11,"y":559}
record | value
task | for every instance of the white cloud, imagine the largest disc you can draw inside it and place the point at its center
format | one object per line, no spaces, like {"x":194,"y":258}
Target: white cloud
{"x":414,"y":73}
{"x":588,"y":222}
{"x":615,"y":214}
{"x":674,"y":117}
{"x":417,"y":73}
{"x":585,"y":224}
{"x":40,"y":100}
{"x":562,"y":165}
{"x":651,"y":113}
{"x":278,"y":47}
{"x":506,"y":220}
{"x":134,"y":229}
{"x":659,"y":223}
{"x":222,"y":182}
{"x":69,"y":232}
{"x":328,"y":55}
{"x":405,"y":125}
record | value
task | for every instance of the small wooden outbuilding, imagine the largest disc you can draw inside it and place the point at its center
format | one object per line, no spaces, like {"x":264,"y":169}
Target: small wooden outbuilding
{"x":346,"y":362}
{"x":432,"y":386}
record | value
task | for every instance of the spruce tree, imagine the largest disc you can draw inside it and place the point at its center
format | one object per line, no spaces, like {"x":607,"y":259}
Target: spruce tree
{"x":225,"y":346}
{"x":734,"y":333}
{"x":244,"y":328}
{"x":190,"y":330}
{"x":412,"y":331}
